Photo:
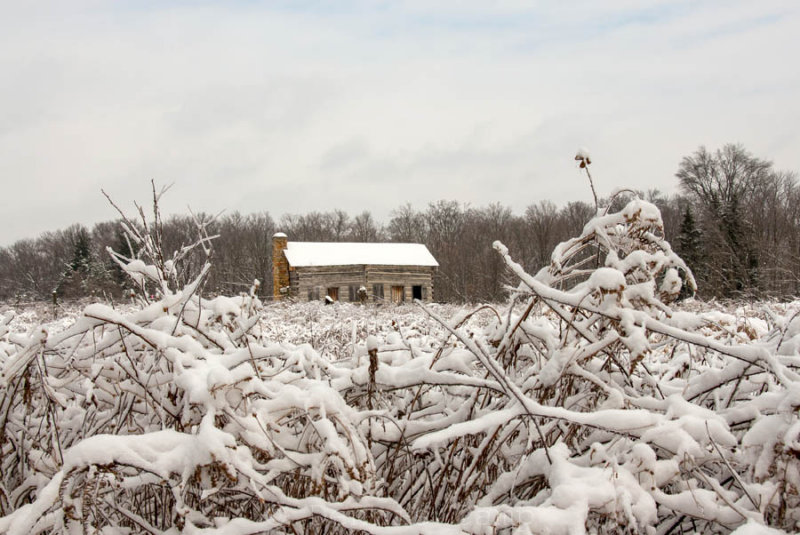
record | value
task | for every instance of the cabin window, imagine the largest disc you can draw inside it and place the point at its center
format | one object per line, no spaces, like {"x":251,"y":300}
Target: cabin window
{"x":352,"y":291}
{"x":398,"y":294}
{"x":377,"y":292}
{"x":333,"y":293}
{"x":416,"y":292}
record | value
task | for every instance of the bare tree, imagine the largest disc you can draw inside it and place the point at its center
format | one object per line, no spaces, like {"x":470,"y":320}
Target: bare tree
{"x":407,"y":225}
{"x":364,"y":229}
{"x":720,"y":183}
{"x":543,"y":231}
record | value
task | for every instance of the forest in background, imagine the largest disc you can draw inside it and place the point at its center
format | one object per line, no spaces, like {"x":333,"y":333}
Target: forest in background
{"x":736,"y":223}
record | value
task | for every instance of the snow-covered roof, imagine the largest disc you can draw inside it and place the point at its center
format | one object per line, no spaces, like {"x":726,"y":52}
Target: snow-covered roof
{"x":301,"y":254}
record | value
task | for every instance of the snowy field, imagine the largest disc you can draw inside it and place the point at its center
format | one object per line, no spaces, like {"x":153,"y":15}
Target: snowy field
{"x":590,"y":401}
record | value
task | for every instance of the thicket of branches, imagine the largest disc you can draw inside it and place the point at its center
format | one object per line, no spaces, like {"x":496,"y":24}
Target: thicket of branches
{"x":736,"y":222}
{"x":587,"y":403}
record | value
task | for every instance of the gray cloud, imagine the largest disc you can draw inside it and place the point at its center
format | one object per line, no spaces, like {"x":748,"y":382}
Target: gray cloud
{"x":273,"y":107}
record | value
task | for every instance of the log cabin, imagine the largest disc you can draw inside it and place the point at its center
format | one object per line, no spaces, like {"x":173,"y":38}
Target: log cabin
{"x":355,"y":272}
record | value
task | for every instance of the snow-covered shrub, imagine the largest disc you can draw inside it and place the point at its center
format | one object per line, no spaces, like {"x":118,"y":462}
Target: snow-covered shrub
{"x":636,"y":414}
{"x":591,"y":402}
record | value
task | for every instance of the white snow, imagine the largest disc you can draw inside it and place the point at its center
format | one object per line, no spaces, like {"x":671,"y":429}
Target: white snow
{"x":302,"y":254}
{"x":590,"y":407}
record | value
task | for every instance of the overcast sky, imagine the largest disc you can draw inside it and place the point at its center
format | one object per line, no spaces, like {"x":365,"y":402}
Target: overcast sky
{"x":297,"y":106}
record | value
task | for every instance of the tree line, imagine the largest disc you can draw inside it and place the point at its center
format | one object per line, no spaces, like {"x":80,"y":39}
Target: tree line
{"x":736,"y":222}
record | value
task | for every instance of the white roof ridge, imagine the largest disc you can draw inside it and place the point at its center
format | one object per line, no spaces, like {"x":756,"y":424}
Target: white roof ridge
{"x":302,"y":254}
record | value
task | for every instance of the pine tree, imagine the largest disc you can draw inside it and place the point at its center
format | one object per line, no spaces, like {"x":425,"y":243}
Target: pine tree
{"x":689,"y":240}
{"x":81,"y":251}
{"x":690,"y":243}
{"x":84,"y":274}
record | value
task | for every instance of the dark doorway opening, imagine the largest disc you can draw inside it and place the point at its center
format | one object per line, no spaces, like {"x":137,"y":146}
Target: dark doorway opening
{"x":416,"y":292}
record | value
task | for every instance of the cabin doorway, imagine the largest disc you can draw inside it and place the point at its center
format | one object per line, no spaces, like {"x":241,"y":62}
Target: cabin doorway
{"x":416,"y":292}
{"x":398,"y":294}
{"x":333,"y":293}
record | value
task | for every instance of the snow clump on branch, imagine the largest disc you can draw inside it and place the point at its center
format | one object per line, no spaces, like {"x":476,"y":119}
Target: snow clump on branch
{"x":590,"y":403}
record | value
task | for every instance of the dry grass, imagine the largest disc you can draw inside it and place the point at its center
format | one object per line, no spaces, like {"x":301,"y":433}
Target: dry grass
{"x":589,"y":401}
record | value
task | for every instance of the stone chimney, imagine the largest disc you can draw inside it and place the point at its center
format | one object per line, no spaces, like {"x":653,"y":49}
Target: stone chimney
{"x":280,"y":266}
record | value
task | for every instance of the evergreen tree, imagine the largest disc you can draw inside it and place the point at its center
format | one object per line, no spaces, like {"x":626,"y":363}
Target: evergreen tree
{"x":84,"y":274}
{"x":81,"y":250}
{"x":690,"y":243}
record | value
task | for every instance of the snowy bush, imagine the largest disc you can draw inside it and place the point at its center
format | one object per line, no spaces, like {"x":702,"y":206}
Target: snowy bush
{"x":590,"y":402}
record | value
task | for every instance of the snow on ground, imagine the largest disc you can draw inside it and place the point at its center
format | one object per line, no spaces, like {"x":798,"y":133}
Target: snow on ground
{"x":591,"y":401}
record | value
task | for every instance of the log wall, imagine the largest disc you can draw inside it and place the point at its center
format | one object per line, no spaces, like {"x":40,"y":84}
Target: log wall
{"x":314,"y":281}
